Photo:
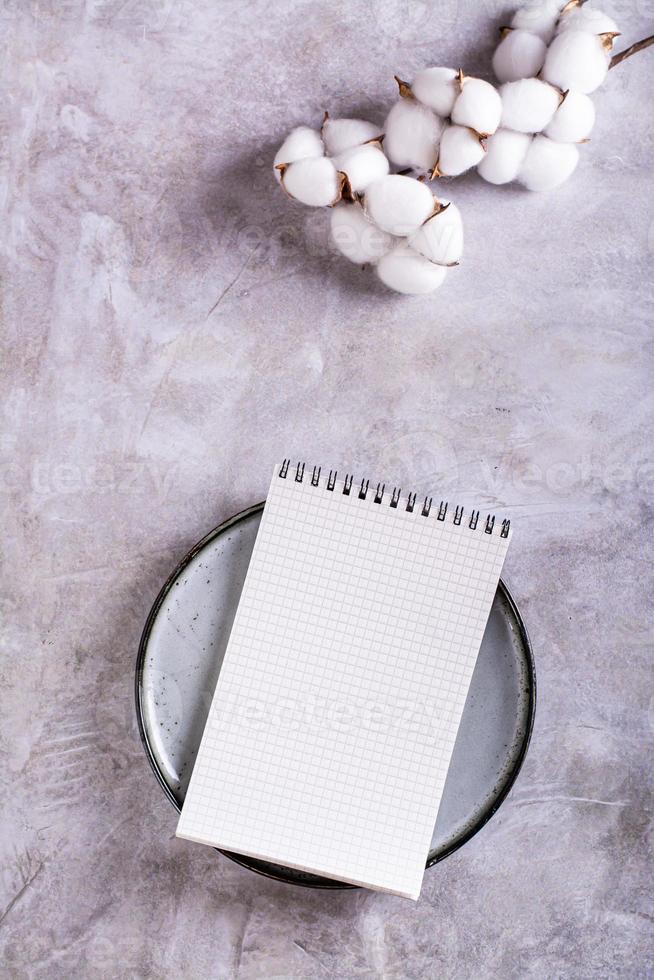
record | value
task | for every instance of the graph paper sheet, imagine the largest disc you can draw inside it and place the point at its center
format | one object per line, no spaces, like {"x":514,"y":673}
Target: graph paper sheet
{"x":337,"y":707}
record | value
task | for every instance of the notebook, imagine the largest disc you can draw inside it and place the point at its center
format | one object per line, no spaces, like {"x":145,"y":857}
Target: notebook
{"x":345,"y":676}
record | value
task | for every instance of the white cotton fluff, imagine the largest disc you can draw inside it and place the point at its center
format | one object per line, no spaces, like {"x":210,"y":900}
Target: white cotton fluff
{"x":573,"y":120}
{"x":440,"y":239}
{"x":314,"y":182}
{"x":505,"y":152}
{"x":398,"y":205}
{"x":412,"y":135}
{"x":576,"y":60}
{"x":300,"y":144}
{"x":539,"y":18}
{"x":547,"y":164}
{"x":342,"y":134}
{"x":362,"y":164}
{"x":357,"y":238}
{"x":460,"y":150}
{"x":437,"y":88}
{"x":587,"y":19}
{"x":519,"y":55}
{"x":528,"y":105}
{"x":405,"y":271}
{"x":479,"y":106}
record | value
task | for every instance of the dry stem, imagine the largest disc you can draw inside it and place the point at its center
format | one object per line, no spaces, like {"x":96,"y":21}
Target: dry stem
{"x":634,"y":49}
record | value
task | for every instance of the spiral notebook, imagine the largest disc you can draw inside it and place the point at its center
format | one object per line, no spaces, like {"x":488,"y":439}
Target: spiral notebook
{"x":337,"y":706}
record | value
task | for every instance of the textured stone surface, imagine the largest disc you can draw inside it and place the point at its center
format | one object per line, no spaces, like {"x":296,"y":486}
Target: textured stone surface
{"x":174,"y":325}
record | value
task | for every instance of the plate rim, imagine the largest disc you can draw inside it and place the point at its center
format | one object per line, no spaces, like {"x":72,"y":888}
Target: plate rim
{"x":264,"y":868}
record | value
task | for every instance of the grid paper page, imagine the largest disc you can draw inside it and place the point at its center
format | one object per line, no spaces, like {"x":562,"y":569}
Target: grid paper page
{"x":337,"y":707}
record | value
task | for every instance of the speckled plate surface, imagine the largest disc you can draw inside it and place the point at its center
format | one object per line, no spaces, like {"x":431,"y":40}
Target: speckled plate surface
{"x":179,"y":660}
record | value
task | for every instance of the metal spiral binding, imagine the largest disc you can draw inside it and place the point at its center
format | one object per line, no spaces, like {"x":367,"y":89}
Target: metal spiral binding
{"x":394,"y":501}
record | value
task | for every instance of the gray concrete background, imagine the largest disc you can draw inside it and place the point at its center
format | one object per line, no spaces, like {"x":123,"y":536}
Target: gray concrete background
{"x":173,"y":326}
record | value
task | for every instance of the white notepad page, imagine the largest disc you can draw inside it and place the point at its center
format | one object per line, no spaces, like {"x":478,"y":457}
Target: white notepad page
{"x":337,"y":707}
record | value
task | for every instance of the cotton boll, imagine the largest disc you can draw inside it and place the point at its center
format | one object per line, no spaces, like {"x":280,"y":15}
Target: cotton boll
{"x":437,"y":88}
{"x":342,"y":134}
{"x":573,"y":120}
{"x":405,"y":271}
{"x":300,"y":144}
{"x":460,"y":150}
{"x":576,"y":60}
{"x":479,"y":106}
{"x":314,"y":182}
{"x":398,"y":205}
{"x":528,"y":105}
{"x":547,"y":164}
{"x":519,"y":55}
{"x":412,"y":135}
{"x":362,"y":164}
{"x":538,"y":18}
{"x":440,"y":239}
{"x":505,"y":152}
{"x":357,"y":238}
{"x":587,"y":19}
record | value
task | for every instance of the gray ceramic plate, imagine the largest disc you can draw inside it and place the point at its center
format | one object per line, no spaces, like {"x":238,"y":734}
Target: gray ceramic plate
{"x":182,"y":648}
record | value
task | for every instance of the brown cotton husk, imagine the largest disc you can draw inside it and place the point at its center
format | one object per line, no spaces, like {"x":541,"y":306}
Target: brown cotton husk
{"x":346,"y":193}
{"x":608,"y":39}
{"x":443,"y":265}
{"x":438,"y":208}
{"x":283,"y":167}
{"x":406,"y":91}
{"x":571,"y":6}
